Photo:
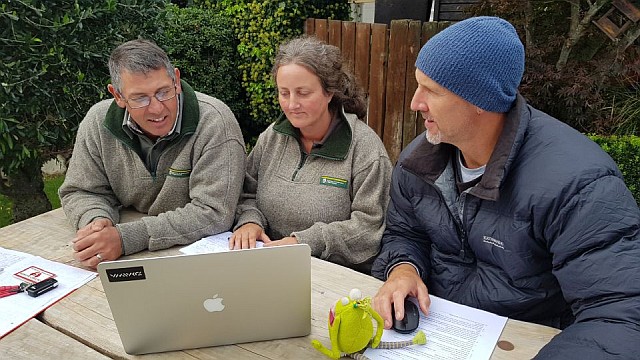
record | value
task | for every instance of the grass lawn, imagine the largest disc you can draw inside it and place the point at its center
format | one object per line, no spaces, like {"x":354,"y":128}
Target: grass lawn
{"x":51,"y":185}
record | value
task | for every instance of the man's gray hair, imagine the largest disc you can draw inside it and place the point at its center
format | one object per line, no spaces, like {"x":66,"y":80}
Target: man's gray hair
{"x":138,"y":56}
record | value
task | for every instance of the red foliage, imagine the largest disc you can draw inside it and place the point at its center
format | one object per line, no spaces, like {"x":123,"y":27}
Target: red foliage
{"x":581,"y":93}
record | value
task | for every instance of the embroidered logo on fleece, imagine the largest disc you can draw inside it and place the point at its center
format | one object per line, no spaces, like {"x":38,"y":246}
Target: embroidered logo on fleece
{"x":179,"y":173}
{"x":331,"y":181}
{"x":492,"y":241}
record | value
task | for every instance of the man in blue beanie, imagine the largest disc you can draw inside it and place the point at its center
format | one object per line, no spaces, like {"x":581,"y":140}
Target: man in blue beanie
{"x":501,"y":207}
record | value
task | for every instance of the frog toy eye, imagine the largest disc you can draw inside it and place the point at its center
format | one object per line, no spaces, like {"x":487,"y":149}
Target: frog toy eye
{"x":344,"y":300}
{"x":355,"y":294}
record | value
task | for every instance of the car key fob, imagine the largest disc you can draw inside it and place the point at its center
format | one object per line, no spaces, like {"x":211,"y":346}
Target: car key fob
{"x":42,"y":287}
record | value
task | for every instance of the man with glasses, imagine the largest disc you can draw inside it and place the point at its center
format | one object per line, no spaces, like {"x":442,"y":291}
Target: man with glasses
{"x":159,"y":148}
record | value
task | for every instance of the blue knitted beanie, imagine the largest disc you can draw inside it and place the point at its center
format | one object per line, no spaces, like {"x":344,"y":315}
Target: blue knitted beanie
{"x":480,"y":59}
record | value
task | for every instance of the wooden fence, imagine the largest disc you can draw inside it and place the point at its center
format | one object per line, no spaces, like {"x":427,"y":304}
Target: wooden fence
{"x":382,"y":58}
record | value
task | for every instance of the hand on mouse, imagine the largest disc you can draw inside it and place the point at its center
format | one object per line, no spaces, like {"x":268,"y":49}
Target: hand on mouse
{"x":403,"y":281}
{"x":411,"y":318}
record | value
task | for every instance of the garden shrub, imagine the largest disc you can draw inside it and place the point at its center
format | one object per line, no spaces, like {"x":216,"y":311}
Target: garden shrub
{"x":202,"y":44}
{"x":625,"y":151}
{"x":624,"y":103}
{"x":585,"y":92}
{"x":260,"y":27}
{"x":52,"y":69}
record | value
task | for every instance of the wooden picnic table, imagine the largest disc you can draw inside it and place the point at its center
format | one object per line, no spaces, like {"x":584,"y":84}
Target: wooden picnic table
{"x":81,"y":325}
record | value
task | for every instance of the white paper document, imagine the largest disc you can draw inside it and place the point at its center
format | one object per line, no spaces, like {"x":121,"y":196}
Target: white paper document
{"x":210,"y":244}
{"x":17,"y":309}
{"x":454,"y":332}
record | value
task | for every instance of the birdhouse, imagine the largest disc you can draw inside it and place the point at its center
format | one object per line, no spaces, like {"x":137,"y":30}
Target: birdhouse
{"x":619,"y":18}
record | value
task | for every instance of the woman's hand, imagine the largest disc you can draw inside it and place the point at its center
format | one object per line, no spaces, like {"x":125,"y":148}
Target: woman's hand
{"x":245,"y":237}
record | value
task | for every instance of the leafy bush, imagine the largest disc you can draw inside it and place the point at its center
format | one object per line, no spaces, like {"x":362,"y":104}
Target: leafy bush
{"x":625,"y":151}
{"x":260,"y":27}
{"x":624,"y":110}
{"x":52,"y":69}
{"x":202,"y":44}
{"x":572,"y":72}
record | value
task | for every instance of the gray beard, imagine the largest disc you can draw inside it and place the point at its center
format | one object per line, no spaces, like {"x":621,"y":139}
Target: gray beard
{"x":433,"y":139}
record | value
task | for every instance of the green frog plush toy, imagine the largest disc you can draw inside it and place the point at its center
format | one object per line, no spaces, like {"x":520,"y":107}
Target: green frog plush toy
{"x":351,"y":329}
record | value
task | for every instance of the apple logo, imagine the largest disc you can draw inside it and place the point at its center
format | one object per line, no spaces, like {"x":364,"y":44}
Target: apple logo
{"x":214,"y":304}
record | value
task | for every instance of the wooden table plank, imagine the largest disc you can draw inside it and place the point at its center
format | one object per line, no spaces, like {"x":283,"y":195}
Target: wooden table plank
{"x":35,"y":340}
{"x":527,"y":339}
{"x":47,"y":235}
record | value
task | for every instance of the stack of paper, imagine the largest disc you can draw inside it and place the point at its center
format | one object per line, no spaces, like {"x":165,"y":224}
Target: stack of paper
{"x":454,"y":332}
{"x":211,"y":244}
{"x":17,"y":267}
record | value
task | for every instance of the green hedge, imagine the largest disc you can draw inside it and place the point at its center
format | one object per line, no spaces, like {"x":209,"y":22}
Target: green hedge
{"x":625,"y":151}
{"x":202,"y":44}
{"x":260,"y":27}
{"x":53,"y":68}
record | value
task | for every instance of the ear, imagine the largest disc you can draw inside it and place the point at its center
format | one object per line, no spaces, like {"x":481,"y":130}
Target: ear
{"x":116,"y":95}
{"x":178,"y":84}
{"x":330,"y":95}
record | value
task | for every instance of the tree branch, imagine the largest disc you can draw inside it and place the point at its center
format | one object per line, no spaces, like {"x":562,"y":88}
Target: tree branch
{"x":577,"y":28}
{"x":528,"y":18}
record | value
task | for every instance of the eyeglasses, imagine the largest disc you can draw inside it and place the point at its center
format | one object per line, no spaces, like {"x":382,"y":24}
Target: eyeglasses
{"x":144,"y":101}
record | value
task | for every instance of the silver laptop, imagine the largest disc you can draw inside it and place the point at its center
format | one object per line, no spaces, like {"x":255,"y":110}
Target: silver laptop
{"x":191,"y":301}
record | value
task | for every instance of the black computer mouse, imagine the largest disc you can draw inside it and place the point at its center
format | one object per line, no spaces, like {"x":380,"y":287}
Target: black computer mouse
{"x":411,"y":318}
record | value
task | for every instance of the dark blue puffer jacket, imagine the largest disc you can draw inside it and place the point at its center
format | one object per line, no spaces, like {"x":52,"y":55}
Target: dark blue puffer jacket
{"x":550,"y":235}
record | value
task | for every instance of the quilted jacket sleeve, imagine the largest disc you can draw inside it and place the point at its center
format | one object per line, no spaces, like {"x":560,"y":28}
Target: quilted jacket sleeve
{"x":596,"y":259}
{"x":401,"y":242}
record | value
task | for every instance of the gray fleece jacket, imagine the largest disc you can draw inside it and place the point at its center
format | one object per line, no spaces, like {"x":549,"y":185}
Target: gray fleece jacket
{"x":333,"y":199}
{"x":193,"y":192}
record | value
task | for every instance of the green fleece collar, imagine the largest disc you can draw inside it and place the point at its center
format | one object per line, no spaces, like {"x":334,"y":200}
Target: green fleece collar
{"x":190,"y":118}
{"x":336,"y":147}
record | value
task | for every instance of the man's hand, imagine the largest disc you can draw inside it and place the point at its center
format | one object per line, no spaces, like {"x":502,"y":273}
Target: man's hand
{"x":96,"y":242}
{"x":94,"y":226}
{"x":245,"y":237}
{"x":402,"y":282}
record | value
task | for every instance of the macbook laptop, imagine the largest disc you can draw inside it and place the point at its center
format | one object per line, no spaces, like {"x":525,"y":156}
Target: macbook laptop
{"x":191,"y":301}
